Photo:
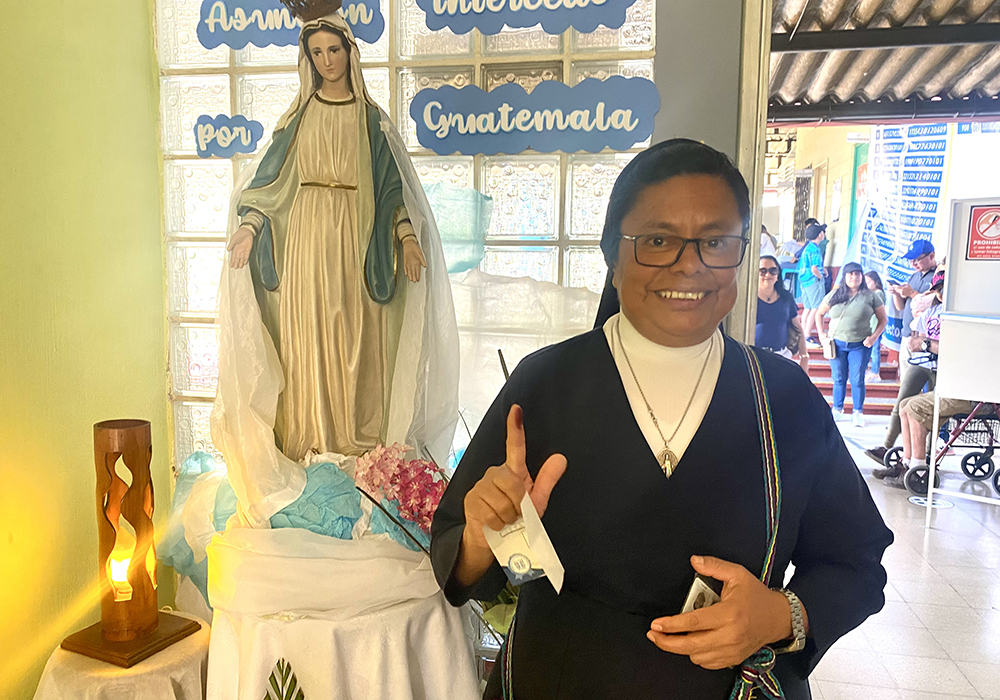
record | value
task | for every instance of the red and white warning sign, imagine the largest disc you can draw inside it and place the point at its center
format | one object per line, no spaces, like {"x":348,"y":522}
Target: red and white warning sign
{"x":984,"y":234}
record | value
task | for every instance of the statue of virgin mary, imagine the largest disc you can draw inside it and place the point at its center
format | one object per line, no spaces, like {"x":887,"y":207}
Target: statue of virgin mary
{"x":337,"y":325}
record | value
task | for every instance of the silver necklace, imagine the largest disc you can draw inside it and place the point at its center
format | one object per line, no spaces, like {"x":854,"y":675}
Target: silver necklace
{"x":666,"y":457}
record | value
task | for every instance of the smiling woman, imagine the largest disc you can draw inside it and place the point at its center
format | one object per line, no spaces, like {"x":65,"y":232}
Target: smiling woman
{"x":657,"y":448}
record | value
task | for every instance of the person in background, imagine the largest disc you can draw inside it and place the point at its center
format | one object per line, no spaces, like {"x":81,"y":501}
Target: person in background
{"x":917,"y":418}
{"x":921,"y":257}
{"x":768,"y":244}
{"x":921,"y":370}
{"x":851,"y":307}
{"x":776,"y":310}
{"x":874,"y":284}
{"x":811,"y":280}
{"x":789,"y":251}
{"x":827,"y":270}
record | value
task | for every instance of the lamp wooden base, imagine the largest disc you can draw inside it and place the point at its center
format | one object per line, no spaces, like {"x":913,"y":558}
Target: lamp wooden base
{"x":90,"y":642}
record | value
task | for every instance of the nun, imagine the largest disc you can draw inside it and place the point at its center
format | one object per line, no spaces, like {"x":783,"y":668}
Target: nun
{"x":657,"y":448}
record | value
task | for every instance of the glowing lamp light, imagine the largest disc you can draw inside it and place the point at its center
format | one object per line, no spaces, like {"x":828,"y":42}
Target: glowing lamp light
{"x":131,"y":628}
{"x":118,"y":576}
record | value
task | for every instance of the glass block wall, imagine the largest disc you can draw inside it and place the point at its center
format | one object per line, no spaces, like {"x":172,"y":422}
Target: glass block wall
{"x":549,"y":208}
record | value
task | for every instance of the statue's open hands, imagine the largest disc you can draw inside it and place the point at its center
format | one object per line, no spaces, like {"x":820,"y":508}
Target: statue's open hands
{"x":413,"y":259}
{"x":239,"y":247}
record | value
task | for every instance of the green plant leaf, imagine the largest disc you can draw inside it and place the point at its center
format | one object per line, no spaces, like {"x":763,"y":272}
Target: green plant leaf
{"x":284,"y":684}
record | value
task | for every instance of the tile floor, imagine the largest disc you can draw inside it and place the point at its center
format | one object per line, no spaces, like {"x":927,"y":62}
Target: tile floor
{"x":938,"y":636}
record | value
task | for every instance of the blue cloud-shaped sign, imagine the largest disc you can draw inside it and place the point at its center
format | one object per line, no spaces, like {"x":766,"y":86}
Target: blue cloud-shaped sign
{"x":555,"y":16}
{"x":615,"y":113}
{"x":225,"y":136}
{"x":237,"y":23}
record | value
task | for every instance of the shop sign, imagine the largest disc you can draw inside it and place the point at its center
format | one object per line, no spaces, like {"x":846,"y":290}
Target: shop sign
{"x":223,"y":136}
{"x":615,"y":113}
{"x":984,"y":234}
{"x":237,"y":23}
{"x":555,"y":16}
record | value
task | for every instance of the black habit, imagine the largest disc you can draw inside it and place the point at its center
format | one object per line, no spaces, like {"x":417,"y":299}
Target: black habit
{"x":625,"y":533}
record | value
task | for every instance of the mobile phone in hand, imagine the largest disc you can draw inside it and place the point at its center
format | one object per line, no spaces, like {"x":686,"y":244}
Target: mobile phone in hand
{"x":704,"y":592}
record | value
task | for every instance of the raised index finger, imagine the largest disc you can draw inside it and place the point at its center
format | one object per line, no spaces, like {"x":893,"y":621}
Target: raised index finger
{"x":515,"y":444}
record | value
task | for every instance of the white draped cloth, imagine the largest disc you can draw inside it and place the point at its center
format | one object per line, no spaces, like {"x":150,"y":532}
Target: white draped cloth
{"x":354,"y":619}
{"x":176,"y":673}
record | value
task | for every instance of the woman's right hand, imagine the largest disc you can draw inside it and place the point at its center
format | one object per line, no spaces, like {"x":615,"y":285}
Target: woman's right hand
{"x":239,"y":247}
{"x":495,"y":500}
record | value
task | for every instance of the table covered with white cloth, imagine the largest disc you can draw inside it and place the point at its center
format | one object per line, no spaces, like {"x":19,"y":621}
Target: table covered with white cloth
{"x":353,"y":619}
{"x":176,"y":673}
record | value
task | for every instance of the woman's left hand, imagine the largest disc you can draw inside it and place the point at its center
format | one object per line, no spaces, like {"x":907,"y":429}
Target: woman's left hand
{"x":749,"y":617}
{"x":869,"y":341}
{"x":413,"y":259}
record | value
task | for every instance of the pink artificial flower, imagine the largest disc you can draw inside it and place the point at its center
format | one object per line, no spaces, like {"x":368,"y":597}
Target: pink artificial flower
{"x":416,"y":485}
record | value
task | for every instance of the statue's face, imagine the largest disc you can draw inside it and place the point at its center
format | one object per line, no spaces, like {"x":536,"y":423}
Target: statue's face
{"x":329,"y":56}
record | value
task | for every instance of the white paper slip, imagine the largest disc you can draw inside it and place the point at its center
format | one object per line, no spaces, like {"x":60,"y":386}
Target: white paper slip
{"x":524,"y":549}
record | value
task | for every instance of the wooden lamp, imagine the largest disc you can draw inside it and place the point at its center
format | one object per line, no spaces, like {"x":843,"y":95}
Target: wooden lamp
{"x":131,"y":628}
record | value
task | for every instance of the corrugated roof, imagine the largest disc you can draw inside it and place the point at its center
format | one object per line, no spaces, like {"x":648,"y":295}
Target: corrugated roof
{"x":867,"y":75}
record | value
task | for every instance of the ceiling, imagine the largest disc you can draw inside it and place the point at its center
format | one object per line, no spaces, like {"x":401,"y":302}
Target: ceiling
{"x":856,"y":60}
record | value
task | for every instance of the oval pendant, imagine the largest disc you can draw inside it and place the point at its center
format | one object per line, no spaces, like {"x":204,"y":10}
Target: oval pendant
{"x":667,"y":460}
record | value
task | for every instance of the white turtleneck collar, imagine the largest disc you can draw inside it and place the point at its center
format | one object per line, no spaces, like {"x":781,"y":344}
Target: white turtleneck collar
{"x":637,"y":344}
{"x":669,"y":379}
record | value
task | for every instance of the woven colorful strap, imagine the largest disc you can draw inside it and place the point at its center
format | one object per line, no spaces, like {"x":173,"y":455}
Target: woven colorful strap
{"x":755,"y":672}
{"x":756,"y":681}
{"x":506,"y":662}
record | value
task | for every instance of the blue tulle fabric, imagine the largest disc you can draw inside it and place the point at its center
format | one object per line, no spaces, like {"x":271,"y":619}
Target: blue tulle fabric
{"x":463,"y":218}
{"x":172,"y":549}
{"x":382,"y":524}
{"x":329,"y":505}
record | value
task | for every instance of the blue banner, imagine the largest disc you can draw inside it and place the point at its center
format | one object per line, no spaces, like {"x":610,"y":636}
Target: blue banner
{"x":555,"y":16}
{"x":905,"y":202}
{"x":615,"y":113}
{"x":237,"y":23}
{"x":966,"y":128}
{"x":224,"y":136}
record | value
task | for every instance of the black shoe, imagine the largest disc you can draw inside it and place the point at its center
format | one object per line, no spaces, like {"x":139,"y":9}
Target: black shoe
{"x":878,"y":454}
{"x":886,"y":472}
{"x":895,"y":480}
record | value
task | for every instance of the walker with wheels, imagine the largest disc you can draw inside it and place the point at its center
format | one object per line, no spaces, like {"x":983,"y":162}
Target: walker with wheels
{"x":978,"y":429}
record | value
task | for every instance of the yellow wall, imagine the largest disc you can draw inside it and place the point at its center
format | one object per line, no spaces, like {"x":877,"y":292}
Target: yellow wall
{"x":82,"y":332}
{"x":827,"y":145}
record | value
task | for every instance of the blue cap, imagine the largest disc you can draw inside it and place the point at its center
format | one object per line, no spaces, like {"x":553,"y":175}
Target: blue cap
{"x":919,"y":247}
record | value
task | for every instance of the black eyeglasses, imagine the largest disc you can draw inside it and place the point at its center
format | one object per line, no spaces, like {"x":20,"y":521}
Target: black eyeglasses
{"x":765,"y":271}
{"x":718,"y":252}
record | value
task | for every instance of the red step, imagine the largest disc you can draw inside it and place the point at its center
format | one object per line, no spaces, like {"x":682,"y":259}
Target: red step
{"x":880,"y":397}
